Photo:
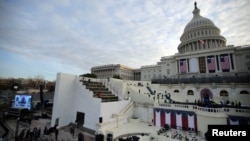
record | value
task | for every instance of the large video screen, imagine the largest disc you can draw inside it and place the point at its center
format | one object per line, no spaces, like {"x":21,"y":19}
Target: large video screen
{"x":23,"y":101}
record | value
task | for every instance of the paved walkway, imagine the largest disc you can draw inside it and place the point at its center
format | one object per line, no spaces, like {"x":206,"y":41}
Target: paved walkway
{"x":146,"y":132}
{"x":63,"y":135}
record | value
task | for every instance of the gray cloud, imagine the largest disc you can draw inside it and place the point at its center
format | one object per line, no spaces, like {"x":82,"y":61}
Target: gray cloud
{"x":83,"y":34}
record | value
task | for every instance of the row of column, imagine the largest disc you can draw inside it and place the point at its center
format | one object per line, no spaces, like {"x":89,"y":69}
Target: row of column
{"x":202,"y":44}
{"x":104,"y":73}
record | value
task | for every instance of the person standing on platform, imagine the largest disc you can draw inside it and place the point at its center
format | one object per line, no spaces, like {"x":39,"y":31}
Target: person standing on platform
{"x":45,"y":131}
{"x":80,"y":137}
{"x":56,"y":133}
{"x":99,"y":95}
{"x":72,"y":130}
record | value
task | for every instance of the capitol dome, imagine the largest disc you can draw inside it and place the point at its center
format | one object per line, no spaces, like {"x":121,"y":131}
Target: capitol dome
{"x":200,"y":34}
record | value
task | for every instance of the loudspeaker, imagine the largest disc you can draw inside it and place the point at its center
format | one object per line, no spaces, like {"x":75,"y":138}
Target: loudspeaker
{"x":100,"y":119}
{"x":99,"y":137}
{"x":109,"y":137}
{"x":166,"y":126}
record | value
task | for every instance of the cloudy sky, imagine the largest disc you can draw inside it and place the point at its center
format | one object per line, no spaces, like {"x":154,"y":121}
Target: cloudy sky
{"x":44,"y":37}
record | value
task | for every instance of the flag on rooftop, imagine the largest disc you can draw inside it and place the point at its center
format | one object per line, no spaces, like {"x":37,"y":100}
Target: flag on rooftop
{"x":211,"y":63}
{"x":202,"y":42}
{"x":224,"y":61}
{"x":183,"y":65}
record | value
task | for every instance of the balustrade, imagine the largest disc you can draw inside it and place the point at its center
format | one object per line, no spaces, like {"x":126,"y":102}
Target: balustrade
{"x":194,"y":107}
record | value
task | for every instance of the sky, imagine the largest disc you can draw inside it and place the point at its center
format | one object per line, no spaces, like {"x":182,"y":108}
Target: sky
{"x":45,"y":37}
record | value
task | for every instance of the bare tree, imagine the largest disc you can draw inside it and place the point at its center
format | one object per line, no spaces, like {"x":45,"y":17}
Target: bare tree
{"x":26,"y":84}
{"x":38,"y":80}
{"x":35,"y":82}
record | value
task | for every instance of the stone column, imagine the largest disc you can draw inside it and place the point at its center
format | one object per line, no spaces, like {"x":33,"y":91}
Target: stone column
{"x":206,"y":44}
{"x":217,"y":43}
{"x":206,"y":64}
{"x":219,"y":63}
{"x":216,"y":68}
{"x":235,"y":68}
{"x":177,"y":66}
{"x":197,"y":45}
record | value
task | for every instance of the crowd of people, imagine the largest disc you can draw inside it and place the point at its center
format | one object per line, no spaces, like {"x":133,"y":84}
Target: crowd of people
{"x":36,"y":134}
{"x":48,"y":134}
{"x":212,"y":104}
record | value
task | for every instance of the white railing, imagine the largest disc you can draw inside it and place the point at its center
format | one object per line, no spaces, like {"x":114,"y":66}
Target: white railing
{"x":113,"y":89}
{"x":189,"y":107}
{"x":117,"y":119}
{"x":9,"y":135}
{"x":126,"y":109}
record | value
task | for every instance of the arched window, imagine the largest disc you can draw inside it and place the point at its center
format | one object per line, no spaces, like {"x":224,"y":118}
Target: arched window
{"x":244,"y":92}
{"x":190,"y":92}
{"x":176,"y":91}
{"x":223,"y":93}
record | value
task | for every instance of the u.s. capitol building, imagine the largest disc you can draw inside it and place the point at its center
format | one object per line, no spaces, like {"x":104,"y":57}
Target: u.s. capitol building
{"x":206,"y":83}
{"x":202,"y":52}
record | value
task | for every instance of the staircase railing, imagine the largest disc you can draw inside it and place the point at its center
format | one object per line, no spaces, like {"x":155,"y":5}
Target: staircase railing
{"x":107,"y":84}
{"x":113,"y":89}
{"x":104,"y":82}
{"x":149,"y":89}
{"x":10,"y":132}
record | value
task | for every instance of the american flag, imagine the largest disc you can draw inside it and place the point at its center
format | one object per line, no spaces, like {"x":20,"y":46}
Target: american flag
{"x":211,"y":63}
{"x":183,"y":65}
{"x":224,"y":61}
{"x":202,"y":42}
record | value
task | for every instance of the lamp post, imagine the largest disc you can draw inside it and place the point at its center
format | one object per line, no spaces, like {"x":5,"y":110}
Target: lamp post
{"x":17,"y":127}
{"x":45,"y":82}
{"x":15,"y":87}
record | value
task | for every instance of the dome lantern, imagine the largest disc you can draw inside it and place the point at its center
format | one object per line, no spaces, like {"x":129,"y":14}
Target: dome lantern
{"x":196,"y":11}
{"x":199,"y":34}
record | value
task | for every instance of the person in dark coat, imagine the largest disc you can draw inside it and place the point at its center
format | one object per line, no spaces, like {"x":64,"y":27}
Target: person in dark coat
{"x":56,"y":133}
{"x":80,"y":137}
{"x":45,"y":131}
{"x":39,"y":132}
{"x":72,"y":130}
{"x":27,"y":134}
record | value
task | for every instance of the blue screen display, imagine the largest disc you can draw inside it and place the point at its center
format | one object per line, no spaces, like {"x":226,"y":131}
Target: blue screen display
{"x":23,"y":101}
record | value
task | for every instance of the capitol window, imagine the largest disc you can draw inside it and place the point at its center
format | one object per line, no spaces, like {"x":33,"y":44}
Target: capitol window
{"x":223,"y":93}
{"x":244,"y":92}
{"x":190,"y":92}
{"x":176,"y":91}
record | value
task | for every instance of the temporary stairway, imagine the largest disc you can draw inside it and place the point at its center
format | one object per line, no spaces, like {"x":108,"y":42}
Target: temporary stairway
{"x":149,"y":89}
{"x":100,"y":91}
